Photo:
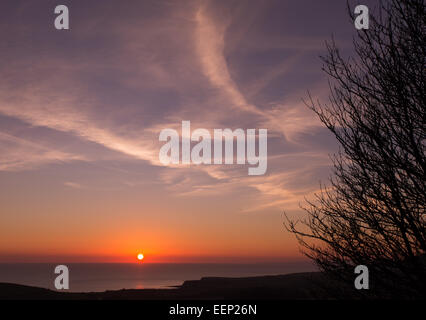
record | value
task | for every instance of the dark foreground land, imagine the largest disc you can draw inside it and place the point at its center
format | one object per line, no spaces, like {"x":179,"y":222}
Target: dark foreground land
{"x":312,"y":285}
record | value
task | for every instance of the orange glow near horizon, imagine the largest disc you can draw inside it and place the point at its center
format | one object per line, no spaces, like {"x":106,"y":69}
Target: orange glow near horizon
{"x":140,"y":256}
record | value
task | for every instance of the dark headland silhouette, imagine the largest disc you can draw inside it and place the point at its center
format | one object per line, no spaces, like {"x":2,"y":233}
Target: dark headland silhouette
{"x":301,"y":286}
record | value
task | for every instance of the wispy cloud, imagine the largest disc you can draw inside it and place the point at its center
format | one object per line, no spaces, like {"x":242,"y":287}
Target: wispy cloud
{"x":73,"y":185}
{"x":283,"y":118}
{"x":158,"y":73}
{"x":210,"y":43}
{"x":20,"y":154}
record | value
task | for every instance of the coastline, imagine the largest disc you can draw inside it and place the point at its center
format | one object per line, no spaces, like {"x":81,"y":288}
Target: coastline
{"x":295,"y":286}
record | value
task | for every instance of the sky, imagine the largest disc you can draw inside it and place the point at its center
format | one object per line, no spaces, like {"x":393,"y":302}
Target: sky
{"x":81,"y":111}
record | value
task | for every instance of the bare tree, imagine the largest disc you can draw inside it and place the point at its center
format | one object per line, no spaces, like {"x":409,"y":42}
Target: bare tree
{"x":373,"y":213}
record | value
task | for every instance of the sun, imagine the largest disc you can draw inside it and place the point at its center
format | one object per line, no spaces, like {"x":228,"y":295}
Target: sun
{"x":140,"y":256}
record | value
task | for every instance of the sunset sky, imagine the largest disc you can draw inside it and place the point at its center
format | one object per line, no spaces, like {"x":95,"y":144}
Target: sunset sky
{"x":81,"y":111}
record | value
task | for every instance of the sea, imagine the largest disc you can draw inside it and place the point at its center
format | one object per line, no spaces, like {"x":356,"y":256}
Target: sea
{"x":98,"y":277}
